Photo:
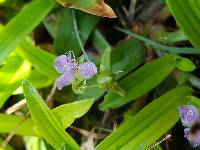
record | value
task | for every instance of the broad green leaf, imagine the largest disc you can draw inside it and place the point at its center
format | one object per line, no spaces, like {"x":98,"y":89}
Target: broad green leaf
{"x":40,"y":59}
{"x":22,"y":25}
{"x":95,"y":7}
{"x":86,"y":24}
{"x":184,"y":64}
{"x":140,"y":82}
{"x":42,"y":116}
{"x":126,"y":57}
{"x":9,"y":123}
{"x":154,"y":120}
{"x":158,"y":46}
{"x":11,"y":75}
{"x":67,"y":113}
{"x":187,"y":16}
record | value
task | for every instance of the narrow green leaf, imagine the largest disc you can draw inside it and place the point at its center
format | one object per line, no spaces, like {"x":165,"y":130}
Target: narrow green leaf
{"x":9,"y":123}
{"x":86,"y":24}
{"x":23,"y":24}
{"x":149,"y":124}
{"x":187,"y":16}
{"x":11,"y":75}
{"x":40,"y":59}
{"x":42,"y":116}
{"x":140,"y":82}
{"x":67,"y":113}
{"x":100,"y":42}
{"x":105,"y":60}
{"x":184,"y":64}
{"x":158,"y":46}
{"x":126,"y":57}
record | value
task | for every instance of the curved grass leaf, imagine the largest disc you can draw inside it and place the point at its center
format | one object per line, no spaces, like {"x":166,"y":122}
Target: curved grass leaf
{"x":67,"y":113}
{"x":23,"y":24}
{"x":158,"y":46}
{"x":11,"y":75}
{"x":46,"y":122}
{"x":187,"y":16}
{"x":95,"y":7}
{"x":142,"y":130}
{"x":9,"y":123}
{"x":140,"y":82}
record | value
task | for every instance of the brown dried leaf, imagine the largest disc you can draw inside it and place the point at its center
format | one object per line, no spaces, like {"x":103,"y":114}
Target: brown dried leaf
{"x":95,"y":7}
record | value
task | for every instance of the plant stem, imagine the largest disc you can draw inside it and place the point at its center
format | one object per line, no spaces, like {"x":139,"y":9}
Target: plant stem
{"x":78,"y":35}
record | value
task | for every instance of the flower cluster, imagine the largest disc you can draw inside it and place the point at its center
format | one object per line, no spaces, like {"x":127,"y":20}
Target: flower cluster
{"x":191,"y":119}
{"x":68,"y":67}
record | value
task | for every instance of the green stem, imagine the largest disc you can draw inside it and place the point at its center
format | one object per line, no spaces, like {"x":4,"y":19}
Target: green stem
{"x":78,"y":35}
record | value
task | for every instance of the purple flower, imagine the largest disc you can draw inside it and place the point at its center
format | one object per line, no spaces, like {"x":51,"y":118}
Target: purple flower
{"x":64,"y":63}
{"x":65,"y":79}
{"x":87,"y":69}
{"x":193,"y":138}
{"x":189,"y":115}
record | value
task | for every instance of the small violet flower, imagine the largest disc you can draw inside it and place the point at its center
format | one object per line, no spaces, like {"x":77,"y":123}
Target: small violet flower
{"x":67,"y":66}
{"x":87,"y":69}
{"x":191,"y":119}
{"x":189,"y":115}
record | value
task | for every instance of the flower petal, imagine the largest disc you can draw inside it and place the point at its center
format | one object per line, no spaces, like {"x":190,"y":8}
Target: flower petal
{"x":193,"y":138}
{"x":65,"y":79}
{"x":87,"y":69}
{"x":189,"y":115}
{"x":63,"y":63}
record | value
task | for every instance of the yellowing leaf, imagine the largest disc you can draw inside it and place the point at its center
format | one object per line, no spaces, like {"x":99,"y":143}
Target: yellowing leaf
{"x":95,"y":7}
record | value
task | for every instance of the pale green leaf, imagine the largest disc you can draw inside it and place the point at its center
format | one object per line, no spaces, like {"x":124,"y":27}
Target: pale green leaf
{"x":42,"y":116}
{"x":67,"y":113}
{"x":11,"y":75}
{"x":22,"y":25}
{"x":153,"y":121}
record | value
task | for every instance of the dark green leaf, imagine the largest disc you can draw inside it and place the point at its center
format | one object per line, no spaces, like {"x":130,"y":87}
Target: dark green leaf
{"x":140,"y":82}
